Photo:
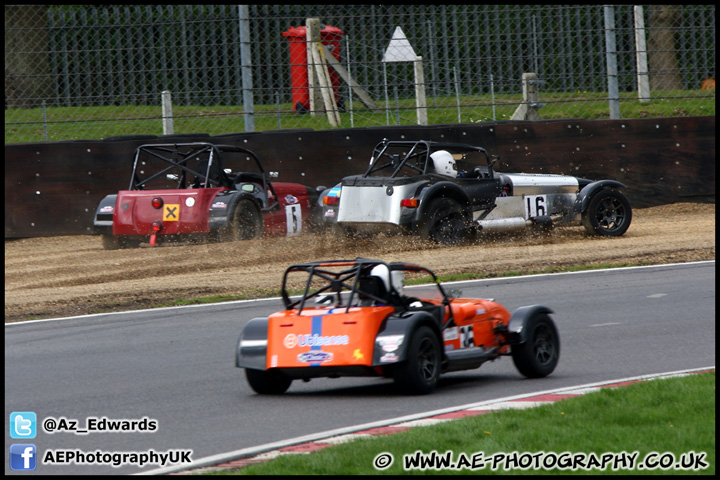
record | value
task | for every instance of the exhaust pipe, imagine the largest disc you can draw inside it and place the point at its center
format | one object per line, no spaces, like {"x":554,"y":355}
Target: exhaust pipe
{"x":518,"y":223}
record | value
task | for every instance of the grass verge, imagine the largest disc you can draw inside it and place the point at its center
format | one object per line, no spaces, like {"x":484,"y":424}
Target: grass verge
{"x":96,"y":122}
{"x":655,"y":422}
{"x":415,"y":281}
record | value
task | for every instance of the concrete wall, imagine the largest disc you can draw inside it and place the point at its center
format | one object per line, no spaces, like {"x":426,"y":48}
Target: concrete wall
{"x":53,"y":188}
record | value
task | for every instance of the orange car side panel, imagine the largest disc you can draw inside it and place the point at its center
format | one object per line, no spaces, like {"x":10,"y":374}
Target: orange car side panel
{"x":475,"y":321}
{"x":324,"y":337}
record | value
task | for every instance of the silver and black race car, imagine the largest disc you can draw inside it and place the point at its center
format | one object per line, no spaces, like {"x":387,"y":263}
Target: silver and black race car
{"x":445,"y":192}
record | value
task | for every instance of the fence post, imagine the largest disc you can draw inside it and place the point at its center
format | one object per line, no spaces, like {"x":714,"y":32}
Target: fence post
{"x":420,"y":100}
{"x":611,"y":58}
{"x":643,"y":80}
{"x":312,"y":32}
{"x":530,"y":108}
{"x":246,"y":68}
{"x":167,"y":113}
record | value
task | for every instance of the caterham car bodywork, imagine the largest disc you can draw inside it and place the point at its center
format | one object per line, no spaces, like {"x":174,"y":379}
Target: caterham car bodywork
{"x":446,"y":192}
{"x":186,"y":190}
{"x":356,"y":318}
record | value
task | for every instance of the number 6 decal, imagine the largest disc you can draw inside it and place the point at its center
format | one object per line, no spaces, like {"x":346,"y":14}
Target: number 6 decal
{"x":535,"y":206}
{"x":293,"y":219}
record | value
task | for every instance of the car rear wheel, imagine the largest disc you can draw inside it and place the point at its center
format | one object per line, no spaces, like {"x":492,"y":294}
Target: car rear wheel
{"x":444,"y":222}
{"x":115,"y":242}
{"x":420,"y":372}
{"x":539,"y":355}
{"x":608,"y":214}
{"x":267,"y":382}
{"x":247,"y":222}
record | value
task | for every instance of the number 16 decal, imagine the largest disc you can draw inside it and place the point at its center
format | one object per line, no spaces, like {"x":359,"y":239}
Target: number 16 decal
{"x":535,"y":206}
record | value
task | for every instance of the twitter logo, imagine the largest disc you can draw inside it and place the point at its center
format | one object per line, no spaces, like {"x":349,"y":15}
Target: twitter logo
{"x":23,"y":425}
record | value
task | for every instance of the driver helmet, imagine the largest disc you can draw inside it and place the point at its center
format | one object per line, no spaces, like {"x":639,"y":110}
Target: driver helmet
{"x":383,"y":273}
{"x":444,"y":163}
{"x":396,"y":279}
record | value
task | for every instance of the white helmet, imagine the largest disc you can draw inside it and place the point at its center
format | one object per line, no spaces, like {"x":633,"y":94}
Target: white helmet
{"x":383,"y":273}
{"x":398,"y":281}
{"x":396,"y":278}
{"x":444,"y":163}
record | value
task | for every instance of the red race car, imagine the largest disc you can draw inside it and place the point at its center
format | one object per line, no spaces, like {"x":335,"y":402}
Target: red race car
{"x":356,"y":318}
{"x":184,"y":190}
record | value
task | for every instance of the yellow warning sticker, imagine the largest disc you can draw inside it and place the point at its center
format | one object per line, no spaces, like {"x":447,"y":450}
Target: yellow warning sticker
{"x":171,"y":213}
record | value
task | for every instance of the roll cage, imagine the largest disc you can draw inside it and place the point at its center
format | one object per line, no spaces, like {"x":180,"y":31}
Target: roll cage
{"x":409,"y":158}
{"x":343,"y":282}
{"x":191,"y":165}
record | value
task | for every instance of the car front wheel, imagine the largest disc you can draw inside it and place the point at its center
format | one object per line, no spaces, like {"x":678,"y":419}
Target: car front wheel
{"x":420,"y":372}
{"x":608,"y":214}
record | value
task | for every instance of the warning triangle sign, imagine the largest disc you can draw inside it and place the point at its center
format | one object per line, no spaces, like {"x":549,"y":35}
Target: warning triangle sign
{"x":399,"y":49}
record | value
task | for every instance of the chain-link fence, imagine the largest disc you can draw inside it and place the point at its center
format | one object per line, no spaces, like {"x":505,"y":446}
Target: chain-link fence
{"x":90,"y":72}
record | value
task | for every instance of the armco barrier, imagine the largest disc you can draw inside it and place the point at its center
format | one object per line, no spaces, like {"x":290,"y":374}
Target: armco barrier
{"x":53,"y":188}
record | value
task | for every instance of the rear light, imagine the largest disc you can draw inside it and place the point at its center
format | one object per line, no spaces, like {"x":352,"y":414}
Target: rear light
{"x":156,"y":226}
{"x":157,"y":202}
{"x":409,"y":202}
{"x":331,"y":201}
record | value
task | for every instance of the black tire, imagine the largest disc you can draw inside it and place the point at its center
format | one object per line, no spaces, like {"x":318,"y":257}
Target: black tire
{"x":609,"y":214}
{"x":110,"y":242}
{"x":444,"y":223}
{"x":539,"y":355}
{"x":267,"y":382}
{"x":114,"y":242}
{"x":342,"y":231}
{"x":420,"y":372}
{"x":246,"y":224}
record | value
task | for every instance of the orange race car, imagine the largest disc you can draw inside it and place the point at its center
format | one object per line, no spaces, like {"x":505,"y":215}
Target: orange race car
{"x":354,"y":318}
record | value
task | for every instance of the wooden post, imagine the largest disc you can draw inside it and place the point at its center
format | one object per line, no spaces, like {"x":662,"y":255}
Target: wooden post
{"x":321,"y":86}
{"x":345,"y":75}
{"x":530,"y":108}
{"x":312,"y":35}
{"x":325,"y":86}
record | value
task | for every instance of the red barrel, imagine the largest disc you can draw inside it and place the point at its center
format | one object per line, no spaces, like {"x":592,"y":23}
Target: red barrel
{"x":297,"y":36}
